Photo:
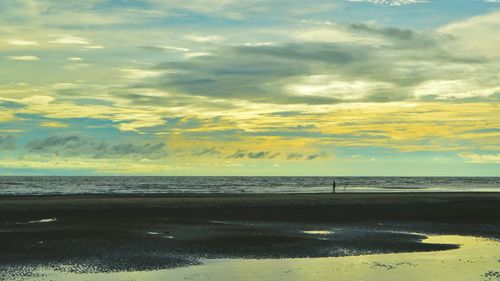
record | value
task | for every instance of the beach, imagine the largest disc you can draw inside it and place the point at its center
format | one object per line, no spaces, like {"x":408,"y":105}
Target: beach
{"x":123,"y":233}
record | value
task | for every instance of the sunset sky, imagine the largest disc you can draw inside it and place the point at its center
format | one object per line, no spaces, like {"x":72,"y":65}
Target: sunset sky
{"x":339,"y":87}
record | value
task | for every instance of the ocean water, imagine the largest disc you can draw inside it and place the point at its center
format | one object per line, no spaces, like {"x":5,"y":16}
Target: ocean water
{"x":148,"y":185}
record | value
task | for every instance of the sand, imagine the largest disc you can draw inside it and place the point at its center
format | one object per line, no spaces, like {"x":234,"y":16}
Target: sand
{"x":476,"y":259}
{"x":110,"y":233}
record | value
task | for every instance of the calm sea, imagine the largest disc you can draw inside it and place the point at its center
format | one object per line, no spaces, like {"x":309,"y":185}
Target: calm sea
{"x":143,"y":185}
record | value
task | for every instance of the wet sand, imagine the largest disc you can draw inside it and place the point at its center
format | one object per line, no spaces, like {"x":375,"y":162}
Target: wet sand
{"x":107,"y":233}
{"x":476,"y":259}
{"x":464,"y":207}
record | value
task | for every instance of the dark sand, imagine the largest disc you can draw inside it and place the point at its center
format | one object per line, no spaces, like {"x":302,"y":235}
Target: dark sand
{"x":121,"y":232}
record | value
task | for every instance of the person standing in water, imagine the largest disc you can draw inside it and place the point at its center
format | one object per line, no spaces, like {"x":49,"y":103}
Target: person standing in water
{"x":333,"y":186}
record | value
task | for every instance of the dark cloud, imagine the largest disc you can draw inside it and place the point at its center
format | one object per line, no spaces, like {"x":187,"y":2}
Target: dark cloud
{"x":262,"y":154}
{"x":292,"y":156}
{"x":313,"y":156}
{"x":254,"y":154}
{"x":209,"y":151}
{"x":238,"y":154}
{"x":265,"y":73}
{"x":301,"y":156}
{"x":325,"y":53}
{"x":405,"y":36}
{"x":265,"y":154}
{"x":81,"y":146}
{"x":256,"y":73}
{"x":7,"y":143}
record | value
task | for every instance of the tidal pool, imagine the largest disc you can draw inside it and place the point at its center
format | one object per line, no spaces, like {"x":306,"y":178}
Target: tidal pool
{"x":476,"y":259}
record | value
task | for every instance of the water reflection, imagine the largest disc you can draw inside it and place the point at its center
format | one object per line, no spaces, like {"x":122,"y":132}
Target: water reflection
{"x":476,"y":259}
{"x":317,"y":232}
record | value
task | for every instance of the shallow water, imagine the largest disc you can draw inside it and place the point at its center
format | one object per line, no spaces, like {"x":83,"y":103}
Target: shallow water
{"x":143,"y":185}
{"x":476,"y":259}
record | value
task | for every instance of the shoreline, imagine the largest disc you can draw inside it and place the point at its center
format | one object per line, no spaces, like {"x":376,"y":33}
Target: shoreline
{"x":222,"y":194}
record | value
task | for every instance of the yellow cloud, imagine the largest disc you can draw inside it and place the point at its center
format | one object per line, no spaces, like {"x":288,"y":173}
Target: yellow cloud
{"x":103,"y":165}
{"x":67,"y":39}
{"x":24,"y":58}
{"x":18,"y":42}
{"x":53,"y":124}
{"x":481,"y":158}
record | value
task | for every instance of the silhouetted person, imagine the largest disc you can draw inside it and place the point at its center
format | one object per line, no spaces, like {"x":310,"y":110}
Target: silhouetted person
{"x":334,"y":185}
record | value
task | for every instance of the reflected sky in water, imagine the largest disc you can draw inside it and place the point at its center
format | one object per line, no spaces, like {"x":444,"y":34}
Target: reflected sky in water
{"x":476,"y":259}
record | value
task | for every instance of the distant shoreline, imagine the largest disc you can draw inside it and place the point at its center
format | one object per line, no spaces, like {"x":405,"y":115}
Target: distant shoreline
{"x":245,"y":176}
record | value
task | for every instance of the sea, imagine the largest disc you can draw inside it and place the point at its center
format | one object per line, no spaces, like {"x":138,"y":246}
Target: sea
{"x":51,"y":185}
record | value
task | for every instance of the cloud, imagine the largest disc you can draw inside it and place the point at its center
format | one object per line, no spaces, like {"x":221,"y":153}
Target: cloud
{"x":70,"y":40}
{"x":165,"y":48}
{"x":313,"y":156}
{"x":311,"y":73}
{"x":93,"y":47}
{"x":241,"y":76}
{"x":454,"y":89}
{"x":330,"y":85}
{"x":294,"y":156}
{"x":392,"y":2}
{"x":73,"y":146}
{"x":204,"y":38}
{"x":17,"y":42}
{"x":7,"y":143}
{"x":262,"y":154}
{"x":475,"y":35}
{"x":332,"y":35}
{"x":24,"y":58}
{"x":240,"y":153}
{"x":207,"y":152}
{"x":134,"y":73}
{"x":77,"y":66}
{"x":302,"y":156}
{"x":53,"y":124}
{"x":480,"y":158}
{"x":398,"y":65}
{"x":396,"y":37}
{"x":240,"y":73}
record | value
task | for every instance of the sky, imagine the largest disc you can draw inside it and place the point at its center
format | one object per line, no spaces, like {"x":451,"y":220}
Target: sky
{"x":335,"y":88}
